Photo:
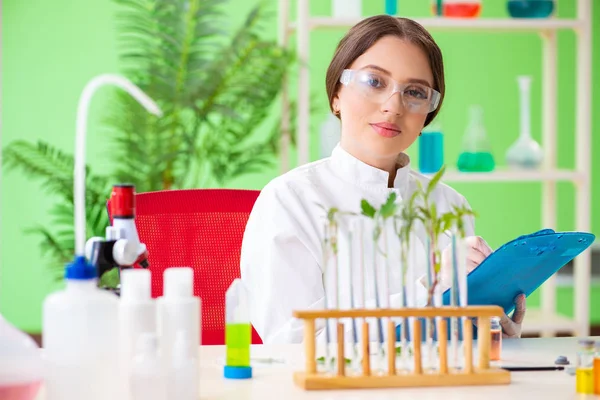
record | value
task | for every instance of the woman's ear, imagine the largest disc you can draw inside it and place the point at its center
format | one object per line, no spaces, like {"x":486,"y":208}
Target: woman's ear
{"x":336,"y":107}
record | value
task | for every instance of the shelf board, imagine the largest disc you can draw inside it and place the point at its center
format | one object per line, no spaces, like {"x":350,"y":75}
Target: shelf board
{"x":536,"y":321}
{"x":479,"y":24}
{"x":509,"y":175}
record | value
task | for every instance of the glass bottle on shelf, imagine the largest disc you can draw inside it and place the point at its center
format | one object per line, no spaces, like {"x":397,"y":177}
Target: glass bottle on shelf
{"x":530,"y":8}
{"x":456,"y":8}
{"x":346,"y":8}
{"x":476,"y":155}
{"x":525,"y":152}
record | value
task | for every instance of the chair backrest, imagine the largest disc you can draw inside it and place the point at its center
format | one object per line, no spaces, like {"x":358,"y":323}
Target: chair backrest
{"x":202,"y":229}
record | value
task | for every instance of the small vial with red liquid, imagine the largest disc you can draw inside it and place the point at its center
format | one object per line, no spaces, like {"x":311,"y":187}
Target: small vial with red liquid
{"x":457,"y":8}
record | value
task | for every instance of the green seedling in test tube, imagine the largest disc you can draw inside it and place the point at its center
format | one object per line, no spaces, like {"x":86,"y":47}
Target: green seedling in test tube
{"x":238,"y":332}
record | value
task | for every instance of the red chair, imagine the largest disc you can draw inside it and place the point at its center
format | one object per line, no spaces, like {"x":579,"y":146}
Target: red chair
{"x":202,"y":229}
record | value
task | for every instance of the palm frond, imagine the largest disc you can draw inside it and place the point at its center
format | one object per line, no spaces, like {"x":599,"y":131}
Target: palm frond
{"x":53,"y":167}
{"x":170,"y":40}
{"x":231,"y":74}
{"x":41,"y":161}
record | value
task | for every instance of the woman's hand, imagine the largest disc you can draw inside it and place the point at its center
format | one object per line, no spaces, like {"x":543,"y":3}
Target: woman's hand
{"x":511,"y":327}
{"x":477,"y":250}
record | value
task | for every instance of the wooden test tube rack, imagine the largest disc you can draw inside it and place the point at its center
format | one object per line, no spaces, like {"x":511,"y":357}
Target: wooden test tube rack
{"x":482,"y":374}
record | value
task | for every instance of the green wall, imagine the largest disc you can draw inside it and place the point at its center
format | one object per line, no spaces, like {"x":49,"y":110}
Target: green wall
{"x":51,"y":49}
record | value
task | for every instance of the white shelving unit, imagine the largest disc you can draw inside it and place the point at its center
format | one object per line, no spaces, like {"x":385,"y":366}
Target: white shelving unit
{"x":545,"y":321}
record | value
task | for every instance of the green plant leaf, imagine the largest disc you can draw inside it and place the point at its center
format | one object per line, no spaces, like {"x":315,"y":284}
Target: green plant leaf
{"x":367,"y":209}
{"x":321,"y":360}
{"x":389,"y":207}
{"x":110,"y":279}
{"x":434,"y":181}
{"x":331,"y":214}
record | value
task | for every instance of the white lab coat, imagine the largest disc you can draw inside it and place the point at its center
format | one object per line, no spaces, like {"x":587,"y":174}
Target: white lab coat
{"x":281,"y":257}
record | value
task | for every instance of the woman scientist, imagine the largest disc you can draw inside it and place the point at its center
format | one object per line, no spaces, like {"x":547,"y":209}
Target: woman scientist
{"x":385,"y":83}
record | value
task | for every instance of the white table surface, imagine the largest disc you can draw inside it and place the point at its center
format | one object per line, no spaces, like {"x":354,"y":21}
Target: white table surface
{"x":275,"y":381}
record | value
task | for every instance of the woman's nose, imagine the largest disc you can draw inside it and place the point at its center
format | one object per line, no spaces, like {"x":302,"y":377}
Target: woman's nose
{"x":393,"y":104}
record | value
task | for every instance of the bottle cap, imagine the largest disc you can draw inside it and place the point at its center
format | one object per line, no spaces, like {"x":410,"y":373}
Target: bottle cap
{"x":561,"y":360}
{"x":178,"y":282}
{"x":135,"y":285}
{"x":237,"y":372}
{"x":80,"y":269}
{"x":586,"y":342}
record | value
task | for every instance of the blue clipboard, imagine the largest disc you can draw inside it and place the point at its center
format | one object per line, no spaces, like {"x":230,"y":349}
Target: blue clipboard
{"x":521,"y":266}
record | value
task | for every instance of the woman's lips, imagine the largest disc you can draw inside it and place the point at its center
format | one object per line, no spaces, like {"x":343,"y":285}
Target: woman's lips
{"x":386,"y":129}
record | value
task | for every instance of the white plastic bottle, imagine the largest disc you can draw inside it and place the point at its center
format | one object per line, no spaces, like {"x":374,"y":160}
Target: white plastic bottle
{"x":178,"y":310}
{"x":137,"y":315}
{"x":148,"y":374}
{"x":80,"y":333}
{"x":184,"y":372}
{"x":20,"y":364}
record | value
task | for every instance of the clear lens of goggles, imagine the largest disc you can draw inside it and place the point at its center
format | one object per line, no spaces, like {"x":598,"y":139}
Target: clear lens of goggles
{"x":417,"y":98}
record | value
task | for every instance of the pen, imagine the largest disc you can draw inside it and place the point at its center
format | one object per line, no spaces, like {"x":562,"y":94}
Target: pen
{"x":555,"y":368}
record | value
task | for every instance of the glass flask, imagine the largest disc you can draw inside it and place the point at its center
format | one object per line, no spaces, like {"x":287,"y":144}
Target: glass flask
{"x":476,"y":155}
{"x":525,"y":152}
{"x":530,"y":8}
{"x":456,"y":8}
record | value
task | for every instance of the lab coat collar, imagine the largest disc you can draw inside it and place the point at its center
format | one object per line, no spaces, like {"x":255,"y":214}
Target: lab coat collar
{"x":370,"y":178}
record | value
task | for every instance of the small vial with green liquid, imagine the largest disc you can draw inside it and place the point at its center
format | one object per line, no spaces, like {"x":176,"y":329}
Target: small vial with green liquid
{"x":476,"y":155}
{"x":238,"y":332}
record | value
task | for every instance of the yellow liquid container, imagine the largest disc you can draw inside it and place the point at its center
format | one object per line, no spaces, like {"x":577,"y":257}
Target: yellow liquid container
{"x":584,"y":374}
{"x":585,"y":380}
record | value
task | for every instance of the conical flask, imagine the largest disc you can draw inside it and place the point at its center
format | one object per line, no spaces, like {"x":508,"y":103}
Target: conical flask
{"x":525,"y":153}
{"x":476,"y":155}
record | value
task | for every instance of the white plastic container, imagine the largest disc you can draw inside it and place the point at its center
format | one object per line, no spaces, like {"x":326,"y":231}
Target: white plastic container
{"x":178,"y":310}
{"x":20,"y":364}
{"x":137,"y":315}
{"x":148,"y":374}
{"x":80,"y":334}
{"x":184,"y":372}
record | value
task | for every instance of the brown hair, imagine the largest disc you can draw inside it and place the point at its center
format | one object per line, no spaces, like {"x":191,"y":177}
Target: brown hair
{"x":364,"y":35}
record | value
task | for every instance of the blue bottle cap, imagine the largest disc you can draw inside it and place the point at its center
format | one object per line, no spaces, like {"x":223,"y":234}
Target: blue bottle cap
{"x":80,"y":269}
{"x":237,"y":372}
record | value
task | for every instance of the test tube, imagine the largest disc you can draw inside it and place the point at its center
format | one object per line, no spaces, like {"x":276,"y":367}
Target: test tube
{"x":496,"y":339}
{"x":238,"y":332}
{"x":584,"y":373}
